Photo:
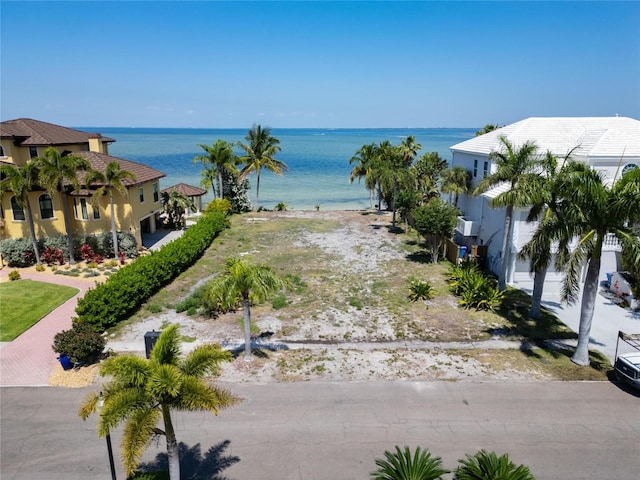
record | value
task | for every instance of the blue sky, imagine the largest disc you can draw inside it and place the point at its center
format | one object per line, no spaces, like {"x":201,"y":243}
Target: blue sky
{"x":317,"y":64}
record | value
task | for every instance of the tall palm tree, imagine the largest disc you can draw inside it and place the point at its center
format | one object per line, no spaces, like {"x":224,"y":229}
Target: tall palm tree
{"x":244,"y":283}
{"x":428,"y":170}
{"x":592,"y":210}
{"x":363,"y":160}
{"x":259,"y":150}
{"x":403,"y":465}
{"x":487,"y":465}
{"x":113,"y":179}
{"x":20,"y":181}
{"x":514,"y":164}
{"x":59,"y":173}
{"x":546,"y":199}
{"x":142,"y":391}
{"x":218,"y":157}
{"x":456,"y":180}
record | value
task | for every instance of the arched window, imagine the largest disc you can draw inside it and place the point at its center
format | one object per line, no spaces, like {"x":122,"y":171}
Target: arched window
{"x":2,"y":151}
{"x":18,"y":212}
{"x":46,"y":206}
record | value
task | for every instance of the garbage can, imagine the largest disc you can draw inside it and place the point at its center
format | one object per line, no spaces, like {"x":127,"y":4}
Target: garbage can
{"x":65,"y":361}
{"x":150,"y":339}
{"x":463,"y":252}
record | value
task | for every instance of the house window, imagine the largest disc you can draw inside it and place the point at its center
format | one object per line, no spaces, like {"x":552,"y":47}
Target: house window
{"x":18,"y":212}
{"x":156,"y":195}
{"x":33,"y":152}
{"x":80,"y":208}
{"x":141,"y":194}
{"x":2,"y":151}
{"x":96,"y":212}
{"x":475,"y":168}
{"x":485,"y":169}
{"x":46,"y":206}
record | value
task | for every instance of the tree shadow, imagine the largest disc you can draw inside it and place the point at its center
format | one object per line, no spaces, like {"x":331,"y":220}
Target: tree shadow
{"x":194,"y":465}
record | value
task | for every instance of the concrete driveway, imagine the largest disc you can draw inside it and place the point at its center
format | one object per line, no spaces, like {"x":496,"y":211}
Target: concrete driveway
{"x":318,"y":431}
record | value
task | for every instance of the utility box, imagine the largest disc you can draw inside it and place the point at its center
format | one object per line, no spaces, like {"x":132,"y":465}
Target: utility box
{"x":150,"y":339}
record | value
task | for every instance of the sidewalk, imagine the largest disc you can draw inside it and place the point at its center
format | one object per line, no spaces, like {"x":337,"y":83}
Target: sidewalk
{"x":29,"y":360}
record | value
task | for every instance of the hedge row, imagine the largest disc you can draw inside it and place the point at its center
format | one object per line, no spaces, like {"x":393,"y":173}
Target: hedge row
{"x":123,"y":293}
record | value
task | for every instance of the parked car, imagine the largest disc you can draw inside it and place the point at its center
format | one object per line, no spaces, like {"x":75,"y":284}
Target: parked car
{"x":627,"y":365}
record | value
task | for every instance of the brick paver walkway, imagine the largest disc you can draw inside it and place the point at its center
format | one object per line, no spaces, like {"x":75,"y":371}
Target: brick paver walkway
{"x":29,"y":360}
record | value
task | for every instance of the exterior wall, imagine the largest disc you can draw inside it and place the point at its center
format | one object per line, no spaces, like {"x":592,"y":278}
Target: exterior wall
{"x":145,"y":210}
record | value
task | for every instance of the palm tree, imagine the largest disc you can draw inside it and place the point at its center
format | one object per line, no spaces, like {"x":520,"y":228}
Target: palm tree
{"x":546,"y":198}
{"x":20,"y":181}
{"x":403,"y":465}
{"x":363,"y":160}
{"x":176,"y":205}
{"x":489,"y":127}
{"x":219,"y":157}
{"x":113,"y":179}
{"x":244,"y":283}
{"x":514,"y":165}
{"x":142,"y":391}
{"x":59,"y":173}
{"x":488,"y":466}
{"x":593,"y":210}
{"x":428,"y":170}
{"x":260,"y":149}
{"x":456,"y":180}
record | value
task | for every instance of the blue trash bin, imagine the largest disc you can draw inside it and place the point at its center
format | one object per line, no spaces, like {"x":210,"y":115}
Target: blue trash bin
{"x":65,"y":361}
{"x":463,"y":252}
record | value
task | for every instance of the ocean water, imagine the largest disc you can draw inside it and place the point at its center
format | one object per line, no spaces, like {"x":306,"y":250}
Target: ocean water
{"x":318,"y":159}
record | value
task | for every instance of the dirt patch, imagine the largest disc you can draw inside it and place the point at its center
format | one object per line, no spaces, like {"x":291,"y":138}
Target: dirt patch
{"x":74,"y":378}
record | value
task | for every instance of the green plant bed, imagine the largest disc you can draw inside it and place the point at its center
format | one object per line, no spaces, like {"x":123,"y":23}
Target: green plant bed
{"x":25,"y":302}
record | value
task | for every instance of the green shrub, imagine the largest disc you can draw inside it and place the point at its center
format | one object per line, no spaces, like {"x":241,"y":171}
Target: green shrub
{"x":279,"y":302}
{"x":474,"y":288}
{"x":420,"y":290}
{"x":17,"y":252}
{"x":14,"y":275}
{"x":404,"y":465}
{"x":485,"y":465}
{"x":81,"y":343}
{"x":122,"y":294}
{"x":219,"y":205}
{"x":153,"y":308}
{"x":40,"y":268}
{"x":59,"y":242}
{"x":281,"y":207}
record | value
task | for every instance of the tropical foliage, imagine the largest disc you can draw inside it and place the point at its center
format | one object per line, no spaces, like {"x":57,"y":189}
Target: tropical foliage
{"x":489,"y":466}
{"x":141,"y":392}
{"x":59,"y":173}
{"x":420,"y":290}
{"x":219,"y":157}
{"x":260,"y":149}
{"x":435,"y":221}
{"x":514,"y":166}
{"x":243,"y":283}
{"x":176,"y":205}
{"x":112,"y":180}
{"x":81,"y":343}
{"x":456,"y":181}
{"x":475,"y":289}
{"x":405,"y":465}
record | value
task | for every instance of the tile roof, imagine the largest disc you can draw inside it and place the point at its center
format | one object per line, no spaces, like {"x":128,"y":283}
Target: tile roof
{"x":26,"y":132}
{"x":142,"y":172}
{"x":184,"y":189}
{"x":604,"y":137}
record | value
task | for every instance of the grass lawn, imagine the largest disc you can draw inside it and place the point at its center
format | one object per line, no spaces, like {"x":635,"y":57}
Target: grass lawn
{"x":24,"y":302}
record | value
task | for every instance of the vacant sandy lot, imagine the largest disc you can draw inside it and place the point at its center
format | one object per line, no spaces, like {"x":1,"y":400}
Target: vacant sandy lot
{"x":343,"y":330}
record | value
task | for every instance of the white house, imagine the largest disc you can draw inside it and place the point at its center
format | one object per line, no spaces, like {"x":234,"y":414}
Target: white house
{"x":609,"y":144}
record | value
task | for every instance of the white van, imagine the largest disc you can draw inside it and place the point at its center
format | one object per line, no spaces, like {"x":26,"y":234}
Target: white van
{"x":627,"y":365}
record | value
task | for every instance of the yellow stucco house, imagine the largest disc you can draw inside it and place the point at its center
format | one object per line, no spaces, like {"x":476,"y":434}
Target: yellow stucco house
{"x":23,"y":139}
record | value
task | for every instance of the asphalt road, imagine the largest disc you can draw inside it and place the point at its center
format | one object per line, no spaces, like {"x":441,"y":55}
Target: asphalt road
{"x":337,"y":430}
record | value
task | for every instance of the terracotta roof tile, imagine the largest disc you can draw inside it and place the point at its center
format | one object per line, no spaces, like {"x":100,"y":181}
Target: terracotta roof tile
{"x":184,"y":189}
{"x":142,"y":172}
{"x":26,"y":131}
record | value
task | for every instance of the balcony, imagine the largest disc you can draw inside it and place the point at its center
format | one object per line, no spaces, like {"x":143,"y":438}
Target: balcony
{"x":467,"y":228}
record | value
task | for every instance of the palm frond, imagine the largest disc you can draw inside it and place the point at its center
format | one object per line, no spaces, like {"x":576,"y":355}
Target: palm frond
{"x":197,"y":395}
{"x":126,"y":369}
{"x":164,"y":383}
{"x":574,"y":263}
{"x":204,"y":359}
{"x":137,"y":433}
{"x":167,"y":348}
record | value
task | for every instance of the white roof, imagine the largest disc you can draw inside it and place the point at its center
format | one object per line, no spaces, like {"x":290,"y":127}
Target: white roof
{"x":603,"y":137}
{"x":492,"y":193}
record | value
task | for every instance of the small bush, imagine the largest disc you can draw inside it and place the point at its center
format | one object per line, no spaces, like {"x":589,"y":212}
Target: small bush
{"x":405,"y":465}
{"x":14,"y":275}
{"x":420,"y":290}
{"x":40,"y":268}
{"x":281,"y":207}
{"x":474,"y":288}
{"x":17,"y":252}
{"x":153,"y":308}
{"x":81,"y":343}
{"x":218,"y":205}
{"x":488,"y":465}
{"x":279,"y":302}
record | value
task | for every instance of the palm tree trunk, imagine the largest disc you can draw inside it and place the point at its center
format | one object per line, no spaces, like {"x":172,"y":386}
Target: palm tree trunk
{"x":587,"y":307}
{"x":114,"y":233}
{"x":220,"y":186}
{"x":67,"y":226}
{"x":173,"y":452}
{"x":246,"y":307}
{"x":32,"y":229}
{"x":506,"y":245}
{"x":536,"y":296}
